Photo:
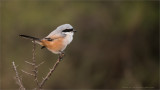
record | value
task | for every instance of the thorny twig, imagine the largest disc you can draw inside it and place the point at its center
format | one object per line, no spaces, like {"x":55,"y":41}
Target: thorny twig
{"x":29,"y":63}
{"x":40,"y":64}
{"x":35,"y":67}
{"x":51,"y":70}
{"x":19,"y":82}
{"x":35,"y":71}
{"x":28,"y":73}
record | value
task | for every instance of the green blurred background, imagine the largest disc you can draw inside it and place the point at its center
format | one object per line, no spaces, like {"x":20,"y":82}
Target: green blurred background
{"x":116,"y":46}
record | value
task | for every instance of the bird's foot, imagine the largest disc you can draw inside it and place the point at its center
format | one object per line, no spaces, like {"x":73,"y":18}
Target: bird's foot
{"x":61,"y":55}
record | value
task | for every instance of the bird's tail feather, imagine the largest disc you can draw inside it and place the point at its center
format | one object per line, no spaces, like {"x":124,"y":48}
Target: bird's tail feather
{"x":31,"y":38}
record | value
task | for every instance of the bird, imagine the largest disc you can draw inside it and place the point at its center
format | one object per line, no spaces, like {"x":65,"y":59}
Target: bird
{"x":57,"y":40}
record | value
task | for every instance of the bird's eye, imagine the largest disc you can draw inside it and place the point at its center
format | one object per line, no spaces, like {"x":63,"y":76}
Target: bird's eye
{"x":67,"y":30}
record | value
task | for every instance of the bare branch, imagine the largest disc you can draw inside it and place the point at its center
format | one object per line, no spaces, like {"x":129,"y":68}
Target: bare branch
{"x":28,"y":73}
{"x":29,"y":63}
{"x":40,"y":64}
{"x":33,"y":63}
{"x":35,"y":70}
{"x":19,"y":82}
{"x":51,"y":70}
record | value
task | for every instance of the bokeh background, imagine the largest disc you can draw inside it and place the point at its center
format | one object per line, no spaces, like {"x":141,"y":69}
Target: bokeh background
{"x":116,"y":46}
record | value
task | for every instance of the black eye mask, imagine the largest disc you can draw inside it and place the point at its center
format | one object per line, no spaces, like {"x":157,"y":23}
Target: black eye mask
{"x":67,"y":30}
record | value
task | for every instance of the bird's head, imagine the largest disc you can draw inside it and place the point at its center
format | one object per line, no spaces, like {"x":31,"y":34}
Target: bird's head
{"x":66,"y":29}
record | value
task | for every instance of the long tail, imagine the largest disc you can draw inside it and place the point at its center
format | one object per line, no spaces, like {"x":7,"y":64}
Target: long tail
{"x":32,"y":38}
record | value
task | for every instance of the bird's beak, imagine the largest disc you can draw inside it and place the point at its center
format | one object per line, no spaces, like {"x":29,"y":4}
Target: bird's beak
{"x":74,"y":31}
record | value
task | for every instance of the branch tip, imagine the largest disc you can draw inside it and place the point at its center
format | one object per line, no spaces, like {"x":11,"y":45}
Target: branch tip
{"x":19,"y":82}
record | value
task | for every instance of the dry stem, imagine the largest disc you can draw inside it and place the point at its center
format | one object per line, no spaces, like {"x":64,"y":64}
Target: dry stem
{"x":28,"y":73}
{"x":35,"y":71}
{"x":51,"y":70}
{"x":40,"y":64}
{"x":19,"y":82}
{"x":35,"y":67}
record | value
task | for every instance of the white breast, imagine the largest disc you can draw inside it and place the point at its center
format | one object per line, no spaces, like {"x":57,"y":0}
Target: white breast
{"x":69,"y":37}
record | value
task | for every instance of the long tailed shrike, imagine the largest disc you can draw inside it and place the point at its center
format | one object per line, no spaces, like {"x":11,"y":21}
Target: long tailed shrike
{"x":57,"y":40}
